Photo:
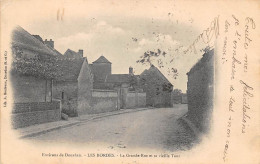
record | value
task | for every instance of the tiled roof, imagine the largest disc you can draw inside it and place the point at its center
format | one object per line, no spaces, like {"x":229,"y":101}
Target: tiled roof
{"x":90,"y":67}
{"x":25,"y":40}
{"x":120,"y":78}
{"x":71,"y":54}
{"x":153,"y":70}
{"x":57,"y":53}
{"x":69,"y":69}
{"x":144,"y":72}
{"x":102,"y":59}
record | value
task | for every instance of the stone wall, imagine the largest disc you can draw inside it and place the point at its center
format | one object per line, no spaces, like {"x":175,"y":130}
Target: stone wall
{"x":141,"y":101}
{"x":31,"y":113}
{"x":200,"y":91}
{"x":85,"y":86}
{"x":67,"y":92}
{"x":100,"y":71}
{"x":131,"y":99}
{"x":135,"y":99}
{"x":104,"y":101}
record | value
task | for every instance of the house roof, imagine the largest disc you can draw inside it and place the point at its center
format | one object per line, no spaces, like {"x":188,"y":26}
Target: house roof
{"x":57,"y":53}
{"x":71,"y":54}
{"x":153,"y":70}
{"x":102,"y":59}
{"x":144,"y":72}
{"x":25,"y":40}
{"x":38,"y":37}
{"x":69,"y":69}
{"x":117,"y":78}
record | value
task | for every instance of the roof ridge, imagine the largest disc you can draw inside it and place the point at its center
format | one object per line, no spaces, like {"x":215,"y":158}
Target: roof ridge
{"x":44,"y":48}
{"x":157,"y":69}
{"x":102,"y":59}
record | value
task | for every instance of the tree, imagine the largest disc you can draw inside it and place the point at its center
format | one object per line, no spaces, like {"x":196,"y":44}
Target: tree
{"x":42,"y":67}
{"x":155,"y":57}
{"x":177,"y":91}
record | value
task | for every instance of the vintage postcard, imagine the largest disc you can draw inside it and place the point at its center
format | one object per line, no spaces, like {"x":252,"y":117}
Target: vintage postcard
{"x":140,"y":81}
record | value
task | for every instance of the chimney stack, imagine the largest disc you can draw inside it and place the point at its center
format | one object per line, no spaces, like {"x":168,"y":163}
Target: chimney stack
{"x":49,"y":43}
{"x":131,"y":70}
{"x":80,"y":52}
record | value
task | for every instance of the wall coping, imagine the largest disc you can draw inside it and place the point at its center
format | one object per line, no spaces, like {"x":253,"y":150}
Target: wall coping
{"x":102,"y":90}
{"x":34,"y":112}
{"x":56,"y":100}
{"x":135,"y":92}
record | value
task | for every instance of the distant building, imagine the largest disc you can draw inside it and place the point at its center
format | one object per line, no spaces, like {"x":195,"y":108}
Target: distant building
{"x":101,"y":68}
{"x":184,"y":98}
{"x":157,"y":87}
{"x":73,"y":85}
{"x":200,"y":91}
{"x":104,"y":79}
{"x":72,"y":54}
{"x":178,"y":97}
{"x":130,"y":94}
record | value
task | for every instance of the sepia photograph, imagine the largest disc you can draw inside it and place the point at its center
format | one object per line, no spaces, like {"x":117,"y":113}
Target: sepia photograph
{"x":130,"y":81}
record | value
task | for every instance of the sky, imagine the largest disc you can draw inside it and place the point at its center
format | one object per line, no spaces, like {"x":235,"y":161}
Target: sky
{"x":123,"y":31}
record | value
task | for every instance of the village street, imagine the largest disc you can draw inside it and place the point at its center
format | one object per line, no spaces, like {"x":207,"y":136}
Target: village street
{"x":153,"y":128}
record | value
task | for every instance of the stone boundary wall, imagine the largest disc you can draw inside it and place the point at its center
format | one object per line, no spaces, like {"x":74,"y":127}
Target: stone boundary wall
{"x":141,"y":101}
{"x":31,"y":113}
{"x":103,"y":101}
{"x":135,"y":99}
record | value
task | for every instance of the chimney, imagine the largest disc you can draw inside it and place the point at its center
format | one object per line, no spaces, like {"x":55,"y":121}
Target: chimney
{"x":80,"y":53}
{"x":49,"y":43}
{"x":131,"y":70}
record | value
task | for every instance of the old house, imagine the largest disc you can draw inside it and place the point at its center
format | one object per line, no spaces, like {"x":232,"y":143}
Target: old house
{"x":178,"y":97}
{"x":157,"y":87}
{"x":101,"y":68}
{"x":200,"y":91}
{"x":32,"y":61}
{"x":74,"y":85}
{"x":104,"y":79}
{"x":126,"y":85}
{"x":31,"y":77}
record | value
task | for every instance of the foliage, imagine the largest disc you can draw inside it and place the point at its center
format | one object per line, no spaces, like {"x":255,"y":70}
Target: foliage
{"x":177,"y":91}
{"x":133,"y":82}
{"x":154,"y":84}
{"x":46,"y":68}
{"x":150,"y":57}
{"x":206,"y":49}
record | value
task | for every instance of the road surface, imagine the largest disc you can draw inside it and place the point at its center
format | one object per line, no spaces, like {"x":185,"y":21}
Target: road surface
{"x":150,"y":129}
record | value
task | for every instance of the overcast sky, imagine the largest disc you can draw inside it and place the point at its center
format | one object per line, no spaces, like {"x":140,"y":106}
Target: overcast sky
{"x":122,"y":32}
